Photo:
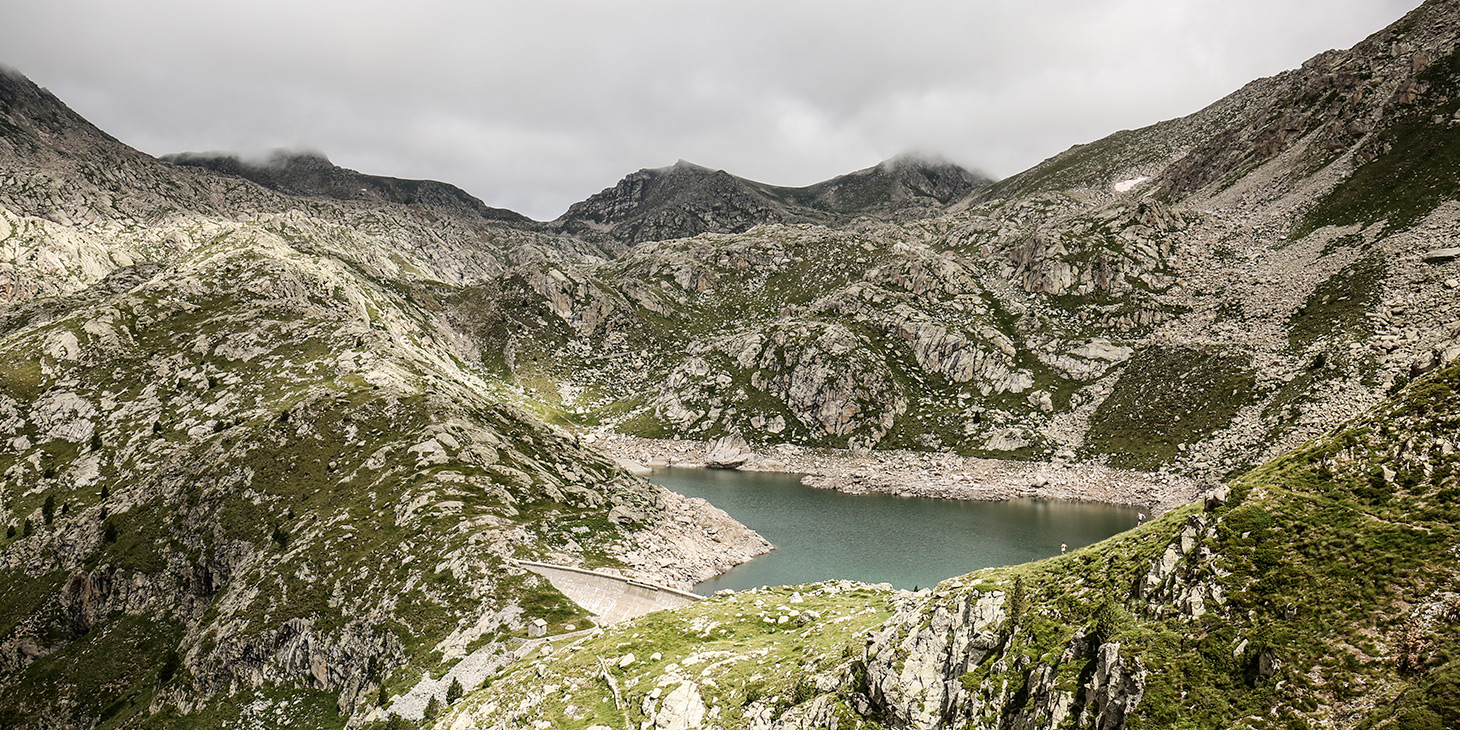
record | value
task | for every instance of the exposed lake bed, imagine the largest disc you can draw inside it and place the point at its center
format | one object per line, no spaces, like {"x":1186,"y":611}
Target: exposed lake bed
{"x":925,"y":474}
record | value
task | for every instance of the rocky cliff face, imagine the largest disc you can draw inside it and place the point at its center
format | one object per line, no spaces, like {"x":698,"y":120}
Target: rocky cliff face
{"x":212,"y":465}
{"x":1241,"y":273}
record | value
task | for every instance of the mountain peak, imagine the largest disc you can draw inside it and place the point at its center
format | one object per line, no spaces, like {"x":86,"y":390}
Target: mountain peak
{"x":685,"y":165}
{"x":686,"y":199}
{"x":310,"y":173}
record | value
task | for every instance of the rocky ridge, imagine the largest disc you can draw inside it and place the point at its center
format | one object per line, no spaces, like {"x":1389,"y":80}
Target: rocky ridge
{"x":311,"y":174}
{"x":244,"y":396}
{"x":233,"y":407}
{"x":1021,"y":323}
{"x":686,"y":199}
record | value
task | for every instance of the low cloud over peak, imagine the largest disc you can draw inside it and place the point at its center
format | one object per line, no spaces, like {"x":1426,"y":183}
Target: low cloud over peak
{"x":532,"y":112}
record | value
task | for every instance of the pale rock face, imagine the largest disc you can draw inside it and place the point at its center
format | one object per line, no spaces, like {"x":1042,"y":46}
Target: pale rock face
{"x":11,"y":420}
{"x":429,"y":452}
{"x":1100,"y":348}
{"x":914,"y":661}
{"x":1114,"y":690}
{"x":728,"y":452}
{"x":63,"y":345}
{"x":1174,"y":586}
{"x":65,"y":416}
{"x":682,"y":708}
{"x":1007,"y":439}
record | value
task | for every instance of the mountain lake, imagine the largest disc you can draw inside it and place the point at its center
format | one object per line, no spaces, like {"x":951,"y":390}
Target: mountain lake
{"x":910,"y":542}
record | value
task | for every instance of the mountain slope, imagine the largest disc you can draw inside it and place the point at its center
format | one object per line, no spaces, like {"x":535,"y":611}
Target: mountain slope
{"x":1066,"y":312}
{"x":76,"y":204}
{"x":250,"y":475}
{"x":269,"y":455}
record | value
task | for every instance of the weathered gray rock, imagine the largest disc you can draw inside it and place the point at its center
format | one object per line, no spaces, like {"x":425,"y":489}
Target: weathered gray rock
{"x":682,"y":709}
{"x":914,"y":661}
{"x":728,"y":452}
{"x":1114,"y":690}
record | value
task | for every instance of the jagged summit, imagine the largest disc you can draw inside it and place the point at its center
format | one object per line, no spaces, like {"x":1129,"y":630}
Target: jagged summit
{"x":310,"y":173}
{"x":685,"y":199}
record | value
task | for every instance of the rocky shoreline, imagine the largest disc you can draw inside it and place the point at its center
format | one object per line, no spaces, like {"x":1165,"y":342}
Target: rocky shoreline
{"x":918,"y":474}
{"x":695,"y":542}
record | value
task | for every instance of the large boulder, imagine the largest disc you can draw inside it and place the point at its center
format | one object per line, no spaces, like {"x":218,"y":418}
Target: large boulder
{"x":728,"y":452}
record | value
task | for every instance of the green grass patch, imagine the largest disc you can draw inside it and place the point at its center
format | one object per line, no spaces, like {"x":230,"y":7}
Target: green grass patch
{"x":1336,"y":307}
{"x":1169,"y":396}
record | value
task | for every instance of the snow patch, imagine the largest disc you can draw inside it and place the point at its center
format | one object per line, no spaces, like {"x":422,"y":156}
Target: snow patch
{"x":1125,"y":186}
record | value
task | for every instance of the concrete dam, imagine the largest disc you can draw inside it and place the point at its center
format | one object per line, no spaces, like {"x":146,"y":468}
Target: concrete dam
{"x":610,"y":597}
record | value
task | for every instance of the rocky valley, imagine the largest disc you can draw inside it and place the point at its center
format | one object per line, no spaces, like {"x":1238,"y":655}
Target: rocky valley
{"x":275,"y":434}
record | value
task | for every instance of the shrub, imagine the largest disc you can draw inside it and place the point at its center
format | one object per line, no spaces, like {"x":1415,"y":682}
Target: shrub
{"x":753,"y":693}
{"x":804,"y":691}
{"x":1110,"y":620}
{"x":1018,"y":599}
{"x":170,"y":665}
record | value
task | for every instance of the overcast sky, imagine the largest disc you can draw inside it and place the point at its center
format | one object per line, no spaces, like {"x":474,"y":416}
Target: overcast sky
{"x":533,"y":105}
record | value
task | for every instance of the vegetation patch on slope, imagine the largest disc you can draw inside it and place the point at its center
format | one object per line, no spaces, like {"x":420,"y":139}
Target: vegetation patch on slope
{"x":1337,"y":307}
{"x":1168,"y":396}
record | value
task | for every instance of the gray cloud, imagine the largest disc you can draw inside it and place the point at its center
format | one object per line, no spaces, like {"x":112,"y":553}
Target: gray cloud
{"x":534,"y":105}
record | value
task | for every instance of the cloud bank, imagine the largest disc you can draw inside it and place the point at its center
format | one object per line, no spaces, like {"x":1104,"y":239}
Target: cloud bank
{"x":535,"y":105}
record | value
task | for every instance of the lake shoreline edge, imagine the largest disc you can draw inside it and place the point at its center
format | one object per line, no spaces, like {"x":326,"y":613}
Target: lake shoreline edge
{"x":933,"y":475}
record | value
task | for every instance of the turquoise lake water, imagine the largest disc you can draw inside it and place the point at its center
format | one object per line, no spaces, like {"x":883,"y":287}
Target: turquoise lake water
{"x":909,"y":542}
